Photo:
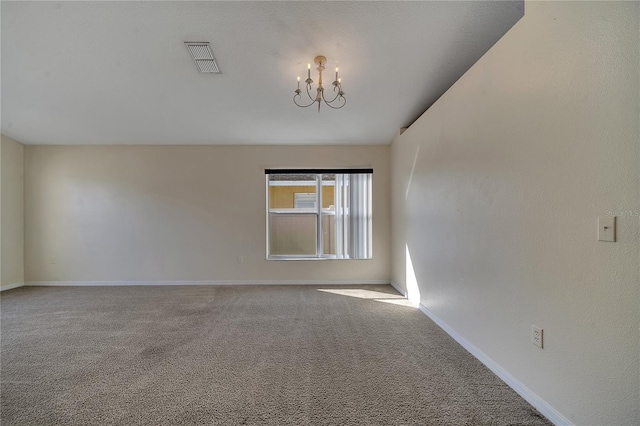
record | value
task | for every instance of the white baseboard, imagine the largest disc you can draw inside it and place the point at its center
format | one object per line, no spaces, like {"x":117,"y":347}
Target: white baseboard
{"x":216,"y":282}
{"x":10,"y":286}
{"x":541,"y":405}
{"x":398,"y":289}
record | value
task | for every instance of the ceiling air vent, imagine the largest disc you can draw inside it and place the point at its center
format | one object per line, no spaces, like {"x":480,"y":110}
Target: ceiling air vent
{"x":203,"y":57}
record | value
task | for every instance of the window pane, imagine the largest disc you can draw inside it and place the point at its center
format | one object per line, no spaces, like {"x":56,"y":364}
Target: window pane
{"x":292,"y":234}
{"x":328,"y":214}
{"x":292,"y":192}
{"x":329,"y":234}
{"x":328,"y":191}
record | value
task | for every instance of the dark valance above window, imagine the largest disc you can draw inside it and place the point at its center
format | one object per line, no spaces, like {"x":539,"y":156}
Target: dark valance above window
{"x":316,"y":171}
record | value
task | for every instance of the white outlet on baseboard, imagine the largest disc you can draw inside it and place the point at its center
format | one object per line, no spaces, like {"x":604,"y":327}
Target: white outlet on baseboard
{"x":536,"y":336}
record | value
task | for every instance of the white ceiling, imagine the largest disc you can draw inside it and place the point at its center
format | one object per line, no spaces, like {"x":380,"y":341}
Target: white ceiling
{"x":118,"y":72}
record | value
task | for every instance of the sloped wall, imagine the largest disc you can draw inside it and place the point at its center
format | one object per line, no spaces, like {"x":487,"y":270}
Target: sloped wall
{"x":496,"y":194}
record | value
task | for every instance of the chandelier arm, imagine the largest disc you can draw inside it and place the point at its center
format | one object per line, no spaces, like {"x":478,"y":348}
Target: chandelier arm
{"x":309,"y":94}
{"x":332,"y":100}
{"x":344,"y":102}
{"x":302,"y":106}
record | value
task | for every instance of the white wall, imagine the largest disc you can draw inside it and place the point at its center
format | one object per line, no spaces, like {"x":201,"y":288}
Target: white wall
{"x":171,"y":213}
{"x":12,"y":218}
{"x":496,"y":192}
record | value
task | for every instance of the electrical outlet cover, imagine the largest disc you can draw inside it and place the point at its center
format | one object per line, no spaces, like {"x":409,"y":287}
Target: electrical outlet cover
{"x":536,"y":336}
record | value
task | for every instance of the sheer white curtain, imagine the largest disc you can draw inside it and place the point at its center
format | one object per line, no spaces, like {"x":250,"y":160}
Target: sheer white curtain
{"x":341,"y":218}
{"x":360,"y":216}
{"x":353,"y":216}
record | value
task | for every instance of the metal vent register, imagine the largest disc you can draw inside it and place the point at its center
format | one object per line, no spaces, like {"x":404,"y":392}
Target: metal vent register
{"x":203,"y":57}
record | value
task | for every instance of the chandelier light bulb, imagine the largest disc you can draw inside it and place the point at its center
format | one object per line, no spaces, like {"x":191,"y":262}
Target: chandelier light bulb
{"x":338,"y":100}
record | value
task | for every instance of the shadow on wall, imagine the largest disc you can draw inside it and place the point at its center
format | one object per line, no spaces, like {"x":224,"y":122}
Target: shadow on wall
{"x":413,"y":169}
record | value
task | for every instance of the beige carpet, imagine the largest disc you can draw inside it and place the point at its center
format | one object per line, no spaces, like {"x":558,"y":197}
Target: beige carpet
{"x":275,"y":355}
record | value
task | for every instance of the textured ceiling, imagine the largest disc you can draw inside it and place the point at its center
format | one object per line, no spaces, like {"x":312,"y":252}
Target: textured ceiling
{"x":119,"y":73}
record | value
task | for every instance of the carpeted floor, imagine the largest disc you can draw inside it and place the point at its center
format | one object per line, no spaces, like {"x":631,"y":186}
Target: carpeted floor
{"x":272,"y":355}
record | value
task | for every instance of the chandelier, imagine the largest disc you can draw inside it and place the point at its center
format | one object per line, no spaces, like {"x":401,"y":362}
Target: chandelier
{"x":338,"y":100}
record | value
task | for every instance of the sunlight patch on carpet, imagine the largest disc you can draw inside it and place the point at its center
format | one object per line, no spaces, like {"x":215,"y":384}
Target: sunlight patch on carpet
{"x":360,"y":293}
{"x":399,"y":302}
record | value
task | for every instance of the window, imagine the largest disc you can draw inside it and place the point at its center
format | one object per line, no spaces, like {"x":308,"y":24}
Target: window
{"x":319,"y":214}
{"x":302,"y":200}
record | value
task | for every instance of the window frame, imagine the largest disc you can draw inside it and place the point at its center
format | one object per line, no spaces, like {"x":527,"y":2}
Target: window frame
{"x":318,"y":212}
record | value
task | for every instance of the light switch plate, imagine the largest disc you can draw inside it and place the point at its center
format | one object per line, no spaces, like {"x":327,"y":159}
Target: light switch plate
{"x":607,"y":228}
